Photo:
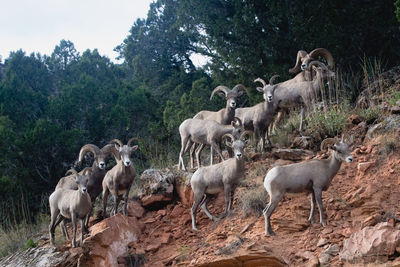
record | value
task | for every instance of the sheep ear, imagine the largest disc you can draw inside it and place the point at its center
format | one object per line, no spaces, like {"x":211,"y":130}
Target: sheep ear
{"x":260,"y":89}
{"x":221,"y":94}
{"x":247,"y":142}
{"x":240,"y":93}
{"x":228,"y":143}
{"x":233,"y":123}
{"x":333,"y":147}
{"x":314,"y":68}
{"x":134,"y":147}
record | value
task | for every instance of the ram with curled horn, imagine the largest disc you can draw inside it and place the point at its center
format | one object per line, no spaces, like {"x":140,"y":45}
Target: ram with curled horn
{"x":221,"y":177}
{"x":95,"y":175}
{"x":119,"y":179}
{"x":298,"y":94}
{"x":223,"y":116}
{"x":312,"y":176}
{"x":258,"y":117}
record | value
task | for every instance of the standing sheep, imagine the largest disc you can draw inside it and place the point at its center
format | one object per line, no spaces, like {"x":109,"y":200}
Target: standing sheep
{"x":223,"y":176}
{"x":70,"y":204}
{"x":312,"y":176}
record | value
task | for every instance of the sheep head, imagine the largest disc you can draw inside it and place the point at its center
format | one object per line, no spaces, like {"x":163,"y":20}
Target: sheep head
{"x":237,"y":127}
{"x":230,"y":95}
{"x":341,"y":148}
{"x":303,"y":59}
{"x":237,"y":144}
{"x":81,"y":179}
{"x":123,"y":152}
{"x":99,"y":155}
{"x":267,"y":89}
{"x":321,"y":68}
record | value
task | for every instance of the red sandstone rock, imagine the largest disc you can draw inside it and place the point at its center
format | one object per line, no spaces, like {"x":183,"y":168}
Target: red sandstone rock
{"x":109,"y":239}
{"x":371,"y":244}
{"x":135,"y":209}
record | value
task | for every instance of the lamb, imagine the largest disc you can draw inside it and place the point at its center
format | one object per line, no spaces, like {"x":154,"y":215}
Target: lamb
{"x":119,"y":179}
{"x":223,"y":176}
{"x":303,"y":61}
{"x":258,"y":118}
{"x":298,"y":94}
{"x":95,"y":176}
{"x":205,"y":132}
{"x":313,"y":176}
{"x":70,"y":204}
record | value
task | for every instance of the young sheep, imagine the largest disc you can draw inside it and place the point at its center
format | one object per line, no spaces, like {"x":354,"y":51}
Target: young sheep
{"x":258,"y":118}
{"x":119,"y":179}
{"x":223,"y":176}
{"x":299,"y":94}
{"x":205,"y":132}
{"x":70,"y":204}
{"x":313,"y":176}
{"x":95,"y":176}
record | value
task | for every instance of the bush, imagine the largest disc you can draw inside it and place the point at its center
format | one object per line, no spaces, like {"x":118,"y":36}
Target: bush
{"x":252,"y":201}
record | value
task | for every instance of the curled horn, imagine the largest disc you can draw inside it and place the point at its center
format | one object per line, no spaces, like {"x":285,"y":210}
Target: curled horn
{"x":132,"y":140}
{"x":271,"y":81}
{"x":88,"y":148}
{"x":71,"y":172}
{"x":116,"y":141}
{"x":325,"y":54}
{"x":261,"y":81}
{"x":316,"y":62}
{"x":221,"y":88}
{"x":242,"y":135}
{"x":327,"y":141}
{"x":300,"y":55}
{"x":228,"y":135}
{"x":240,"y":87}
{"x":106,"y":150}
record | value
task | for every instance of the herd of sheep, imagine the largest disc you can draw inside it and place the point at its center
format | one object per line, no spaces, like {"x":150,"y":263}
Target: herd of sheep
{"x":76,"y":193}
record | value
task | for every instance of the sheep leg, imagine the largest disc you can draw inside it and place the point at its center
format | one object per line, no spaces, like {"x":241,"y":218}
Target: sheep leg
{"x":318,"y":198}
{"x":125,"y":211}
{"x":203,"y":206}
{"x":53,"y":220}
{"x":192,"y":151}
{"x":310,"y":219}
{"x":278,"y":119}
{"x":198,"y":153}
{"x":74,"y":225}
{"x":218,"y":149}
{"x":256,"y":138}
{"x":228,"y":201}
{"x":302,"y":113}
{"x":273,"y":202}
{"x":181,"y":165}
{"x":117,"y":200}
{"x":106,"y":192}
{"x":197,"y":200}
{"x":82,"y":233}
{"x":64,"y":228}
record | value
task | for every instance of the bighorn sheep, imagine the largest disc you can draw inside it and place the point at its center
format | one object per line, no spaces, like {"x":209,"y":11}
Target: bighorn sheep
{"x":313,"y":176}
{"x":70,"y":204}
{"x":223,"y":116}
{"x":303,"y":61}
{"x":95,"y":176}
{"x":297,"y":94}
{"x":223,"y":176}
{"x":257,"y":118}
{"x":205,"y":132}
{"x":119,"y":179}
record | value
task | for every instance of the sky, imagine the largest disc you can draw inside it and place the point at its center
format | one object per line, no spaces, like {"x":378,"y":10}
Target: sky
{"x":40,"y":25}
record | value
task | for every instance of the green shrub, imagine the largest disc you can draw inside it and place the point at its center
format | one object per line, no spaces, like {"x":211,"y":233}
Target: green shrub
{"x":252,"y":201}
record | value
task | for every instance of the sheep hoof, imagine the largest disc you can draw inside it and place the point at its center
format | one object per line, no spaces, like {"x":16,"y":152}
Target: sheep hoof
{"x":270,"y":233}
{"x":323,"y":224}
{"x":195,"y":229}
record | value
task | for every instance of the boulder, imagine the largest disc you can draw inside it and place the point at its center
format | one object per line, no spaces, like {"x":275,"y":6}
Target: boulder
{"x":389,"y":123}
{"x":156,"y":181}
{"x":303,"y":142}
{"x":135,"y":209}
{"x":248,"y":259}
{"x":109,"y":239}
{"x":292,"y":154}
{"x":372,"y":243}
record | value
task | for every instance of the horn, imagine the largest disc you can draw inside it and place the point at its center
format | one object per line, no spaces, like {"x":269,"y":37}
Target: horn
{"x":106,"y":150}
{"x":316,"y":62}
{"x":240,"y":87}
{"x":238,"y":121}
{"x":88,"y":148}
{"x":71,"y":172}
{"x":300,"y":55}
{"x":221,"y":88}
{"x":116,"y":141}
{"x":87,"y":171}
{"x":327,"y":141}
{"x":271,"y":81}
{"x":261,"y":81}
{"x":242,"y":135}
{"x":325,"y":54}
{"x":132,"y":140}
{"x":228,"y":135}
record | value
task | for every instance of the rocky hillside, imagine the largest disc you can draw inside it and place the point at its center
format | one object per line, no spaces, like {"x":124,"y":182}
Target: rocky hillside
{"x":361,"y":208}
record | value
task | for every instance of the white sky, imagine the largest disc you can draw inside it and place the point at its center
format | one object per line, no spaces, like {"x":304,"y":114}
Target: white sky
{"x":40,"y":25}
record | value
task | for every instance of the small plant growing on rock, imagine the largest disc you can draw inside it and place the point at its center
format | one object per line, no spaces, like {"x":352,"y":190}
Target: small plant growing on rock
{"x":252,"y":201}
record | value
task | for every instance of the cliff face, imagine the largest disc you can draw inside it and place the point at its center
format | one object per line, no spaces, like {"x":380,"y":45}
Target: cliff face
{"x":361,"y":208}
